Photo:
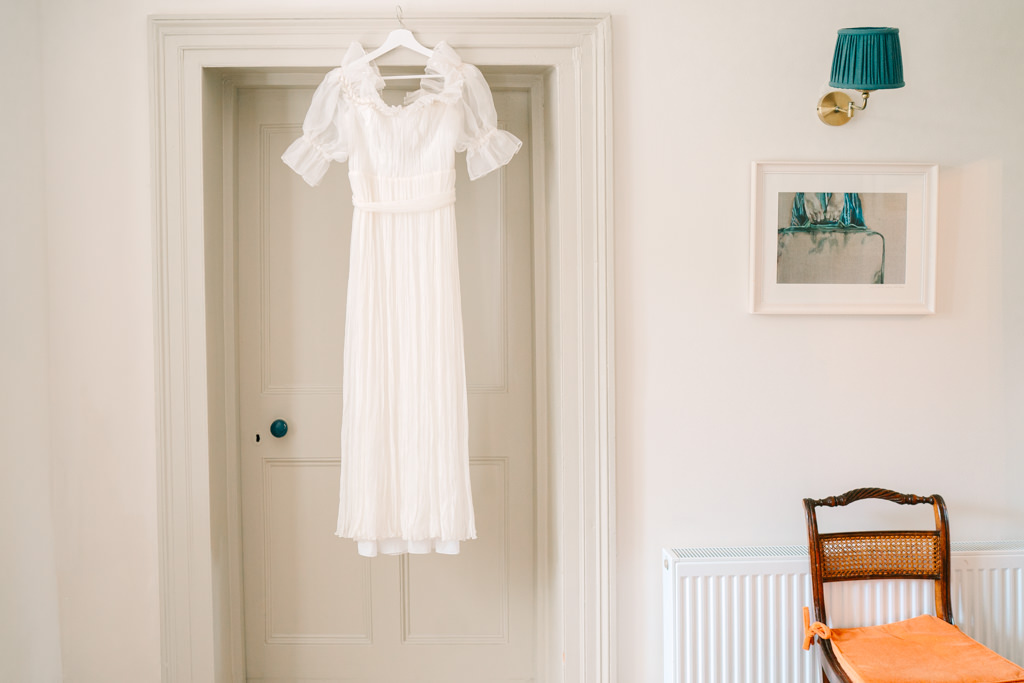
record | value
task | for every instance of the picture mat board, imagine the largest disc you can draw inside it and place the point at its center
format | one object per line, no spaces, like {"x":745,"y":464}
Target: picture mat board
{"x":914,"y":296}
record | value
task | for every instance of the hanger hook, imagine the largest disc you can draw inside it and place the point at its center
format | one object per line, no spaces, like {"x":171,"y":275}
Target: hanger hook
{"x":398,"y":16}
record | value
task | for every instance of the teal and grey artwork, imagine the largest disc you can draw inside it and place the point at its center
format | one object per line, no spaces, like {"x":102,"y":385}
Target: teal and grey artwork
{"x":842,"y":238}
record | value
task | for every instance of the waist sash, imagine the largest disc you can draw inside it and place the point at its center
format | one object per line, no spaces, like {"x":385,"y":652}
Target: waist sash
{"x":408,"y":194}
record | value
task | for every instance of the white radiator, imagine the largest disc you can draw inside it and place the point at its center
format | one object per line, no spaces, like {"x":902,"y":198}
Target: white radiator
{"x":735,"y":614}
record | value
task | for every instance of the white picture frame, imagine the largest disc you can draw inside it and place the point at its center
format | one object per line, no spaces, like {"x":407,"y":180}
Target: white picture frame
{"x":902,"y":196}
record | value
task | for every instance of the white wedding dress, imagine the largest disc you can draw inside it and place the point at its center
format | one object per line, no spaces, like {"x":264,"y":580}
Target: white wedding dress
{"x":404,"y":426}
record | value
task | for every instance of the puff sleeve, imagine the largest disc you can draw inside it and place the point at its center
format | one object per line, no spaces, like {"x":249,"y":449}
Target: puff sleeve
{"x":323,"y":132}
{"x":487,"y":147}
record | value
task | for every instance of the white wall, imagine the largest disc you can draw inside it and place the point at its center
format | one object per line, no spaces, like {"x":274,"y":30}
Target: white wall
{"x":29,"y":632}
{"x":725,"y":420}
{"x":101,"y":337}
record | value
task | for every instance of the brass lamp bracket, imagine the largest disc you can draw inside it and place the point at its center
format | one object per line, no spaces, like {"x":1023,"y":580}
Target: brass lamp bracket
{"x":836,"y":108}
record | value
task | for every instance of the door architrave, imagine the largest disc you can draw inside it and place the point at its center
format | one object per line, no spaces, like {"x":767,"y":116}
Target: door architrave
{"x":200,"y":632}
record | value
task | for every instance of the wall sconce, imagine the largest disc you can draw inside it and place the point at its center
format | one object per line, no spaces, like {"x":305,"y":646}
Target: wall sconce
{"x":866,"y":59}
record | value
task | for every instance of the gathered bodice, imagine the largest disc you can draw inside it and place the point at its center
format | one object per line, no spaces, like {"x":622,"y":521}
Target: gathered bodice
{"x":401,"y":156}
{"x":414,"y":139}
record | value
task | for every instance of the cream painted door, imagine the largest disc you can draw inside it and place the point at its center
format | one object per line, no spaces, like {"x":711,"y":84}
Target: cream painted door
{"x":314,"y":609}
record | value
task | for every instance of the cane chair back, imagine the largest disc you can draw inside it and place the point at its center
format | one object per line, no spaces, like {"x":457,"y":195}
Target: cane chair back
{"x":876,"y":555}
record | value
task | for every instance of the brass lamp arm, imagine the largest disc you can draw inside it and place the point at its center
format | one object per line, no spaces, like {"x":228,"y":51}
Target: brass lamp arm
{"x":863,"y":105}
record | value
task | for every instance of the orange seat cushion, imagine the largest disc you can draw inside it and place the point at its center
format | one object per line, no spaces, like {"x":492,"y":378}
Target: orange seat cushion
{"x":924,"y":649}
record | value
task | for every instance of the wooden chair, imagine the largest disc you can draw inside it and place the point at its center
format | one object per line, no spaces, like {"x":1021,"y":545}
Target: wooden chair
{"x":923,"y":644}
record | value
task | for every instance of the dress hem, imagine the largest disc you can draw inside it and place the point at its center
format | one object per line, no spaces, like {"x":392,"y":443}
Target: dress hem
{"x":400,"y":546}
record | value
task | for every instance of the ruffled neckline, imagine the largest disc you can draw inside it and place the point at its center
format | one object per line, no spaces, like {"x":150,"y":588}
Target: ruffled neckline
{"x":362,"y":81}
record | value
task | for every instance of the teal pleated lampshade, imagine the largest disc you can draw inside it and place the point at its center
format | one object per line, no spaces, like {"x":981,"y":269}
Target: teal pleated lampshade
{"x":867,"y":59}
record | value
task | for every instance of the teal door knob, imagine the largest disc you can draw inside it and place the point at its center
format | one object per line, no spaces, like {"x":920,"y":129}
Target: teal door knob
{"x":278,"y":428}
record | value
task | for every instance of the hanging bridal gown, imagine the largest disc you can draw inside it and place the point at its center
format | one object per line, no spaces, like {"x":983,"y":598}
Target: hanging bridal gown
{"x":404,"y":426}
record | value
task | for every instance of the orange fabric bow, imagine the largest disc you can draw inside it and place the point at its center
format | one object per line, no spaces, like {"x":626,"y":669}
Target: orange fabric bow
{"x":816,"y":629}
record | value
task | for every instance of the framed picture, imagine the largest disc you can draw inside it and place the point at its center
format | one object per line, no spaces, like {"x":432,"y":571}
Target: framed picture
{"x":843,"y":238}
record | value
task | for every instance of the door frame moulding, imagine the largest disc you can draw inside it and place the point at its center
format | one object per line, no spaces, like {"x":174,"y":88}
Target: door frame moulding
{"x":578,"y":271}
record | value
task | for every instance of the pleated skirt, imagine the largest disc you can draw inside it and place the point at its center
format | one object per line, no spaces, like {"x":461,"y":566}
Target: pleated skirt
{"x":405,"y":483}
